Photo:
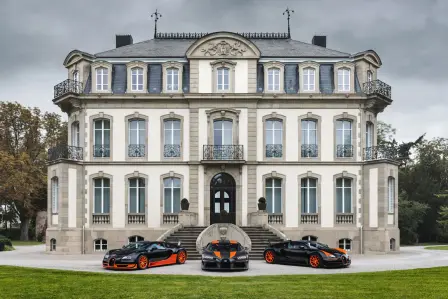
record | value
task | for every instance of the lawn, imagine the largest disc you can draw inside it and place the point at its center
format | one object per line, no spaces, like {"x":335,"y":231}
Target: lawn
{"x":26,"y":243}
{"x":40,"y":283}
{"x":444,"y":247}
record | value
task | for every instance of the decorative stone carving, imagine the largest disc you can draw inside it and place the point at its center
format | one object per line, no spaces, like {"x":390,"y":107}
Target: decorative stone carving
{"x":224,"y":48}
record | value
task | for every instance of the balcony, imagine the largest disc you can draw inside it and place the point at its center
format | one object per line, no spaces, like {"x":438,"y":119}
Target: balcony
{"x":380,"y":153}
{"x":101,"y":150}
{"x":136,"y":218}
{"x":171,"y":151}
{"x":170,"y":218}
{"x":101,"y":219}
{"x":309,"y":151}
{"x":136,"y":150}
{"x":309,"y":218}
{"x":276,"y":218}
{"x":65,"y":152}
{"x":344,"y":150}
{"x":377,"y":87}
{"x":274,"y":150}
{"x":66,"y":87}
{"x":234,"y":153}
{"x":345,"y":218}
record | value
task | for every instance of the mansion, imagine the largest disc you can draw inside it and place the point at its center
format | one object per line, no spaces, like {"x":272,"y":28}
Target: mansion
{"x":222,"y":120}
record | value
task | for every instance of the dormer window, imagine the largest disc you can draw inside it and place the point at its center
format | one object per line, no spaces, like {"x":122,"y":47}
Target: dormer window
{"x":76,"y":76}
{"x":172,"y":76}
{"x":137,"y":79}
{"x":274,"y":79}
{"x":223,"y":79}
{"x":102,"y":79}
{"x":308,"y":79}
{"x":344,"y":79}
{"x":223,"y":74}
{"x":172,"y":79}
{"x":369,"y":76}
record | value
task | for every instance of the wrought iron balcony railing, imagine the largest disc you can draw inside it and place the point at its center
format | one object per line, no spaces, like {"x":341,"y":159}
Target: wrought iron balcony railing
{"x":223,"y":152}
{"x":171,"y":150}
{"x":309,"y":150}
{"x":378,"y":87}
{"x":380,"y":152}
{"x":344,"y":150}
{"x":274,"y":150}
{"x":101,"y":150}
{"x":136,"y":150}
{"x":67,"y":86}
{"x":65,"y":152}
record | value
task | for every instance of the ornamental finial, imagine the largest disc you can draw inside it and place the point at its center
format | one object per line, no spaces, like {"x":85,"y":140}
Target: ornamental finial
{"x":156,"y":15}
{"x":288,"y":11}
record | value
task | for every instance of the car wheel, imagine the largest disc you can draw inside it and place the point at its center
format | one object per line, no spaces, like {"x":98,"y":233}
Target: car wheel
{"x":269,"y":256}
{"x":142,"y":262}
{"x":181,"y":257}
{"x":314,"y":261}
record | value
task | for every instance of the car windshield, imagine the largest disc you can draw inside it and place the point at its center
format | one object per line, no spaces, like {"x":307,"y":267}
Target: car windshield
{"x":136,"y":245}
{"x":318,"y":245}
{"x":223,"y":247}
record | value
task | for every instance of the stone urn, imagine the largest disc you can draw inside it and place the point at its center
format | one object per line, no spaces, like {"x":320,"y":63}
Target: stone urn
{"x":262,"y":204}
{"x":184,"y":204}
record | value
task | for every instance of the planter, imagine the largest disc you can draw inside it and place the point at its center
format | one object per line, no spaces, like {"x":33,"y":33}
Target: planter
{"x":184,"y":204}
{"x":262,"y":204}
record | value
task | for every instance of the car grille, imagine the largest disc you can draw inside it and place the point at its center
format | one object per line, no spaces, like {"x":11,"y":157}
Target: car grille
{"x":111,"y":262}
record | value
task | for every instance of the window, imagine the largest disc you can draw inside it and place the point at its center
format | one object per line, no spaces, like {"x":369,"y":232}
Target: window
{"x":137,"y":138}
{"x":274,"y":195}
{"x":309,"y":138}
{"x":392,"y":244}
{"x":100,"y":245}
{"x":76,"y":76}
{"x":273,"y":79}
{"x":369,"y":134}
{"x":309,"y":79}
{"x":171,"y":188}
{"x":309,"y":195}
{"x":75,"y":134}
{"x":345,"y":244}
{"x":274,"y":138}
{"x":101,"y":147}
{"x":223,"y":79}
{"x":172,"y":79}
{"x":102,"y":79}
{"x":137,"y":79}
{"x":343,"y":79}
{"x":101,"y":196}
{"x":310,"y":238}
{"x":53,"y":245}
{"x":391,"y":192}
{"x":136,"y":195}
{"x":344,"y":146}
{"x":133,"y":239}
{"x":54,"y":195}
{"x":343,"y":195}
{"x":172,"y":148}
{"x":369,"y":76}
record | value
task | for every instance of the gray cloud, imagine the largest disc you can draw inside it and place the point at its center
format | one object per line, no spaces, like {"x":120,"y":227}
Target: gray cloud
{"x":410,"y":37}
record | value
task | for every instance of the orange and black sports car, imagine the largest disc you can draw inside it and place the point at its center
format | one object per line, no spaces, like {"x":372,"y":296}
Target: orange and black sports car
{"x":144,"y":254}
{"x":313,"y":254}
{"x":225,"y":255}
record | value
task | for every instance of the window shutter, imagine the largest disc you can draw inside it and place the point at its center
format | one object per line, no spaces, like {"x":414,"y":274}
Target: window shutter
{"x":260,"y":77}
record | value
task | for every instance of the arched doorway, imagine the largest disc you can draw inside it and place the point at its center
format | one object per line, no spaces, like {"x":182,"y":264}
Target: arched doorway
{"x":222,"y":199}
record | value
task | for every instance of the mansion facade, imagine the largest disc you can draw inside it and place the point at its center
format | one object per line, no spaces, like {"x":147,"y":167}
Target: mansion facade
{"x":222,"y":119}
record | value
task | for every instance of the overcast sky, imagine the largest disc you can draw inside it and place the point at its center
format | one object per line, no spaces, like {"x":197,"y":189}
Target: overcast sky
{"x":411,"y":37}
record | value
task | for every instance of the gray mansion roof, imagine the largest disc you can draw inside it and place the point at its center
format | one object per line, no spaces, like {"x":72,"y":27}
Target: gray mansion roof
{"x":177,"y":47}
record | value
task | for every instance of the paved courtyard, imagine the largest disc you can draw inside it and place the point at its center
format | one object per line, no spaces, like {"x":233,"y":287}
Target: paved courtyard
{"x":408,"y":258}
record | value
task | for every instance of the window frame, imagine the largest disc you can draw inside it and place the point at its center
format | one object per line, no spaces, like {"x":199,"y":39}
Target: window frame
{"x":354,"y":198}
{"x":223,"y":63}
{"x":168,"y":117}
{"x":92,"y":178}
{"x":75,"y":134}
{"x":282,"y":177}
{"x":277,"y":117}
{"x":308,"y":188}
{"x":172,"y":65}
{"x":354,"y":138}
{"x":127,"y":120}
{"x":94,"y":67}
{"x":281,"y":67}
{"x":127,"y":178}
{"x":53,"y":244}
{"x":103,"y":189}
{"x":137,"y":73}
{"x":130,"y":66}
{"x":345,"y":242}
{"x":55,"y":192}
{"x":137,"y":193}
{"x":101,"y":242}
{"x":92,"y":119}
{"x":347,"y":65}
{"x":136,"y":237}
{"x":391,"y":195}
{"x":171,"y":175}
{"x":306,"y":65}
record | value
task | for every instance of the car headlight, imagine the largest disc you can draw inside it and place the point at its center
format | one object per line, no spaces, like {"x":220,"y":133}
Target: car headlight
{"x":242,"y":257}
{"x":207,"y":257}
{"x":106,"y":255}
{"x":127,"y":257}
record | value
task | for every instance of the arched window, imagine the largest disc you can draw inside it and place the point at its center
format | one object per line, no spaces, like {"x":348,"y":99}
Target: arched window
{"x":391,"y":193}
{"x":133,"y":239}
{"x":136,"y":196}
{"x":309,"y":195}
{"x":369,"y":134}
{"x":53,"y":245}
{"x":137,"y":79}
{"x":274,"y":138}
{"x":75,"y":133}
{"x":54,"y":195}
{"x":223,"y":79}
{"x":102,"y":79}
{"x":345,"y":244}
{"x":309,"y":138}
{"x":100,"y":245}
{"x":310,"y":238}
{"x":273,"y":195}
{"x":171,"y":194}
{"x":308,"y":79}
{"x":344,"y":147}
{"x":172,"y":136}
{"x":137,"y":138}
{"x":101,"y":132}
{"x":392,"y":244}
{"x":274,"y":79}
{"x":101,"y":196}
{"x":343,"y":79}
{"x":343,"y":195}
{"x":172,"y":79}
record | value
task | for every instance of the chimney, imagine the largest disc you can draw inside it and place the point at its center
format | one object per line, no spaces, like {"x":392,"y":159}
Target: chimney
{"x":123,"y":40}
{"x":319,"y":40}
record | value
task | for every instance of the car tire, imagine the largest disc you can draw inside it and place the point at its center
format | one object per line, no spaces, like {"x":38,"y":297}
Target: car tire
{"x":269,"y":256}
{"x":315,"y":261}
{"x":142,"y":262}
{"x":181,"y":257}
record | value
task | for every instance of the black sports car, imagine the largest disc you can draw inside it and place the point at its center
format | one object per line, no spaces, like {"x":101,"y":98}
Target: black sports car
{"x":225,"y":255}
{"x":314,"y":254}
{"x":144,"y":254}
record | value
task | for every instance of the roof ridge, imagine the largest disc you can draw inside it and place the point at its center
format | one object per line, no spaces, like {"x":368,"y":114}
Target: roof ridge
{"x":122,"y":47}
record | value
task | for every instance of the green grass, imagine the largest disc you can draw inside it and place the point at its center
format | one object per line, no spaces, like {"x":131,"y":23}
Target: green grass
{"x":16,"y":282}
{"x":25,"y":243}
{"x":443,"y":247}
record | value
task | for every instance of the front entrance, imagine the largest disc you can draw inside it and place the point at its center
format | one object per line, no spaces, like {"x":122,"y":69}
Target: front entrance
{"x":222,"y":199}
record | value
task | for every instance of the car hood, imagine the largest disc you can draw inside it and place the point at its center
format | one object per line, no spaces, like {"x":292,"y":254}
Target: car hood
{"x":225,"y":254}
{"x":334,"y":251}
{"x":127,"y":251}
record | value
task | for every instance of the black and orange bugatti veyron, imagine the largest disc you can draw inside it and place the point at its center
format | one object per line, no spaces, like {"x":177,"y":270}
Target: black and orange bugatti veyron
{"x":144,"y":254}
{"x":312,"y":253}
{"x":225,"y":255}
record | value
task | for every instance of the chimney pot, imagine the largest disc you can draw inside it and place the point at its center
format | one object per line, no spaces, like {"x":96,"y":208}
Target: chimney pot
{"x":320,"y":40}
{"x":123,"y":40}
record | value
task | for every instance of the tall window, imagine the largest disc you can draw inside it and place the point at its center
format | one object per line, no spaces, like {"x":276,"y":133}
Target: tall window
{"x":137,"y":138}
{"x":391,"y":192}
{"x":137,"y":79}
{"x":102,"y":138}
{"x":369,"y":76}
{"x":343,"y":79}
{"x":172,"y":79}
{"x":171,"y":188}
{"x":171,"y":129}
{"x":53,"y":245}
{"x":223,"y":78}
{"x":274,"y":79}
{"x":75,"y":133}
{"x":101,"y":196}
{"x":54,"y":195}
{"x":308,"y":79}
{"x":274,"y":138}
{"x":344,"y":138}
{"x":309,"y":195}
{"x":369,"y":134}
{"x":100,"y":245}
{"x":136,"y":195}
{"x":76,"y":76}
{"x":102,"y":79}
{"x":309,"y":138}
{"x":345,"y":244}
{"x":343,"y":195}
{"x":274,"y":195}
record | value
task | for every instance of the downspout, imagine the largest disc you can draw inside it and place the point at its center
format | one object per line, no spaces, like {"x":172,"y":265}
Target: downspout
{"x":361,"y":248}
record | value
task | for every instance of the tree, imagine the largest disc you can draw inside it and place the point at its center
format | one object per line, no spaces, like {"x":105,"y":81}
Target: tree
{"x":409,"y":219}
{"x":443,"y":223}
{"x":385,"y":133}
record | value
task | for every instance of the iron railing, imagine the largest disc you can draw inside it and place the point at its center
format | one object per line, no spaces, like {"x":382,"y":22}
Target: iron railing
{"x":136,"y":150}
{"x":274,"y":150}
{"x":380,"y":152}
{"x":344,"y":218}
{"x":276,"y":218}
{"x":171,"y":150}
{"x":378,"y":87}
{"x":223,"y":152}
{"x":65,"y":152}
{"x":344,"y":150}
{"x":101,"y":150}
{"x":67,"y":86}
{"x":309,"y":218}
{"x":310,"y":150}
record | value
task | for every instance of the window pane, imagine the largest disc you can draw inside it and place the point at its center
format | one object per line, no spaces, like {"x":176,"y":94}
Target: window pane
{"x":339,"y":200}
{"x":278,"y":200}
{"x":176,"y":199}
{"x":167,"y":199}
{"x":132,"y":200}
{"x":347,"y":200}
{"x":218,"y":136}
{"x":313,"y":182}
{"x":176,"y":137}
{"x":269,"y":200}
{"x":167,"y":182}
{"x":141,"y":203}
{"x":106,"y":182}
{"x":313,"y":200}
{"x":141,"y":136}
{"x":132,"y":183}
{"x":278,"y":137}
{"x":268,"y":182}
{"x":277,"y":182}
{"x":97,"y":200}
{"x":304,"y":199}
{"x":338,"y":182}
{"x":176,"y":182}
{"x":107,"y":137}
{"x":97,"y":182}
{"x":106,"y":200}
{"x":141,"y":182}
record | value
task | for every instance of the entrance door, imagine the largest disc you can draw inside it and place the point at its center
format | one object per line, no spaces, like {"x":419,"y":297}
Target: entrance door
{"x":222,"y":199}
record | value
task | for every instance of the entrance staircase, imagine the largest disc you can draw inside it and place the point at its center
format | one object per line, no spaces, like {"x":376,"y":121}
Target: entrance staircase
{"x":188,"y":236}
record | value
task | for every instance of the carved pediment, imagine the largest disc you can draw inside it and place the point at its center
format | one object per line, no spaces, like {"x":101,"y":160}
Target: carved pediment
{"x":224,"y":48}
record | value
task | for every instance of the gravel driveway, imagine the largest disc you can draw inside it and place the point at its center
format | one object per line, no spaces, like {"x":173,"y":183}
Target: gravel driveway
{"x":408,"y":258}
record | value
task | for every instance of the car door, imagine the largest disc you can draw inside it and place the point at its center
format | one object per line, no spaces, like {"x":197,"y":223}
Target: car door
{"x":156,"y":252}
{"x":165,"y":250}
{"x":283,"y":251}
{"x":294,"y":252}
